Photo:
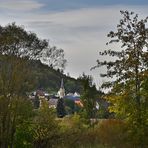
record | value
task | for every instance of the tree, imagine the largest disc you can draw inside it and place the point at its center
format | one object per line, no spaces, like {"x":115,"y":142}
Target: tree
{"x":130,"y":70}
{"x":16,"y":41}
{"x":61,"y":108}
{"x":23,"y":136}
{"x":16,"y":47}
{"x":54,"y":58}
{"x":45,"y":127}
{"x":88,"y":97}
{"x":36,"y":102}
{"x":70,"y":106}
{"x":15,"y":80}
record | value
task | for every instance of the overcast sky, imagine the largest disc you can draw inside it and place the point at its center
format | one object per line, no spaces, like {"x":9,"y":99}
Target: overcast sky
{"x":77,"y":26}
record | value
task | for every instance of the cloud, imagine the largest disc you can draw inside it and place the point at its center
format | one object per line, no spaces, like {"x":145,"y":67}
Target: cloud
{"x":80,"y":32}
{"x":20,"y":5}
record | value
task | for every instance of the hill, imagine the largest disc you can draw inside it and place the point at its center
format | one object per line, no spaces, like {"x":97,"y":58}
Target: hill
{"x":49,"y":79}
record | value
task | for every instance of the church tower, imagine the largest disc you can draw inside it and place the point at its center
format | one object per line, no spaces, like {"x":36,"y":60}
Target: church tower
{"x":61,"y":92}
{"x":60,"y":104}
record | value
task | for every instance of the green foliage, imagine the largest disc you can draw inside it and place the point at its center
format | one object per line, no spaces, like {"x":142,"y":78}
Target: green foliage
{"x":24,"y":135}
{"x":19,"y":114}
{"x":45,"y":127}
{"x":107,"y":133}
{"x":15,"y":79}
{"x":75,"y":133}
{"x":69,"y":106}
{"x":20,"y":72}
{"x":40,"y":130}
{"x":49,"y":79}
{"x":14,"y":82}
{"x":88,"y":97}
{"x":72,"y":85}
{"x":103,"y":112}
{"x":129,"y":68}
{"x":15,"y":76}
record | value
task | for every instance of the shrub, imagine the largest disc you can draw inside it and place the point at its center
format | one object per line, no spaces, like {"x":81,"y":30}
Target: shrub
{"x":76,"y":134}
{"x":113,"y":133}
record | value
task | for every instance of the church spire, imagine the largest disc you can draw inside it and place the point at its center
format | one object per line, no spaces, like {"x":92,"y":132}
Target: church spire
{"x":62,"y":84}
{"x":61,"y":92}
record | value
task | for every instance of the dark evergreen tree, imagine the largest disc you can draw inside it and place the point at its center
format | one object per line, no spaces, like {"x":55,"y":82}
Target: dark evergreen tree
{"x":36,"y":102}
{"x":61,"y":108}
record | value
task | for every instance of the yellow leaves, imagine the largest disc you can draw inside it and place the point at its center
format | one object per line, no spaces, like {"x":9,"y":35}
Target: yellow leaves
{"x":121,"y":104}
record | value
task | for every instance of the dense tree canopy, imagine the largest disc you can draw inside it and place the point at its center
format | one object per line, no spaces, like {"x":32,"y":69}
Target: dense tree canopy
{"x":15,"y":40}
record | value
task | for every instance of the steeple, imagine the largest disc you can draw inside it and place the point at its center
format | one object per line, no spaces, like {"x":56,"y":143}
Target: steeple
{"x":62,"y":83}
{"x":61,"y":92}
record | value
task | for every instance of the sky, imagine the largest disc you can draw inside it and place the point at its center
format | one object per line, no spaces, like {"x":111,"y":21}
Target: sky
{"x":79,"y":27}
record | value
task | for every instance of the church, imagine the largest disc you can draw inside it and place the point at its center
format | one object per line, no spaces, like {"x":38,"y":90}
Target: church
{"x":61,"y":92}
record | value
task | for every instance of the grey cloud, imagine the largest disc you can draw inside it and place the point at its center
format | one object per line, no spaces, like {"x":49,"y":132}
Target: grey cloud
{"x":81,"y":33}
{"x":20,"y":5}
{"x":39,"y":23}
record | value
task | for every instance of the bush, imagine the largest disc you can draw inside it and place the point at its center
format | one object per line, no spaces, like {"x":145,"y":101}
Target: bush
{"x":76,"y":134}
{"x":113,"y":133}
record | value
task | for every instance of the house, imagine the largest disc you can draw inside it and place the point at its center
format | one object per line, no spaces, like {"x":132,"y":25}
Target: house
{"x":53,"y":103}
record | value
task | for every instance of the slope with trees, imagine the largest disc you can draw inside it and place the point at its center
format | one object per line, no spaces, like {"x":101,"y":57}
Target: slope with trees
{"x":49,"y":79}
